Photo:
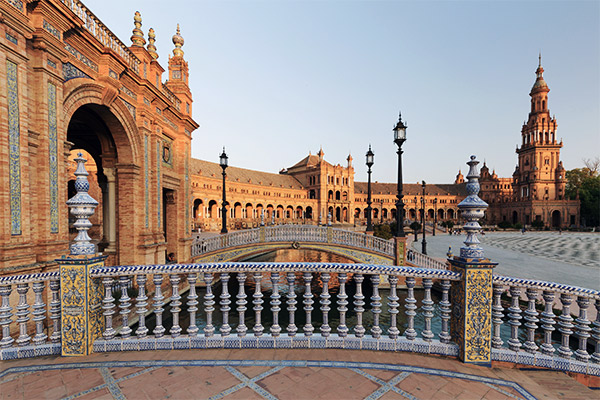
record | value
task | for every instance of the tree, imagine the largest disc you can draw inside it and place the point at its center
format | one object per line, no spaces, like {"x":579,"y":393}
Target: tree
{"x":585,"y":184}
{"x":415,"y":226}
{"x":383,"y":231}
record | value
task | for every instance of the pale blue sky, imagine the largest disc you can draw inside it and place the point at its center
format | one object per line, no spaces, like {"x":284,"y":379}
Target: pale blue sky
{"x":273,"y":80}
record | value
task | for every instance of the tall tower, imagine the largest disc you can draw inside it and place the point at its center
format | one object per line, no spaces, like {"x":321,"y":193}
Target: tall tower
{"x":178,"y":76}
{"x":539,"y":174}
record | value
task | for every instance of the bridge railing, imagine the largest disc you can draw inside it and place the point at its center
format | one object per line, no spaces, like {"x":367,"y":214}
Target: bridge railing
{"x":543,"y":323}
{"x":361,"y":240}
{"x":36,"y":328}
{"x":284,"y":305}
{"x":423,"y":261}
{"x":295,"y":233}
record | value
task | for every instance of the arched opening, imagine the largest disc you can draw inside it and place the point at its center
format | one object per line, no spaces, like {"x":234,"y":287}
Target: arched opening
{"x":356,"y":213}
{"x":338,"y":214}
{"x":197,"y":210}
{"x":450,"y":213}
{"x":556,"y":219}
{"x":515,"y":217}
{"x":330,"y":195}
{"x":237,"y":210}
{"x":289,"y":211}
{"x":337,"y":195}
{"x":345,"y":196}
{"x":299,"y":213}
{"x":249,"y":211}
{"x":430,"y":213}
{"x":412,"y":214}
{"x":270,"y":214}
{"x":259,"y":211}
{"x":279,"y":212}
{"x":375,"y":213}
{"x":94,"y":129}
{"x":440,"y":213}
{"x":212,"y":209}
{"x":311,"y":194}
{"x":384,"y":213}
{"x":309,"y":212}
{"x":345,"y":214}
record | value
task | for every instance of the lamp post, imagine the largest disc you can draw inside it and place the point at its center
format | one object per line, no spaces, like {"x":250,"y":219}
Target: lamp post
{"x":423,"y":242}
{"x":223,"y":162}
{"x":399,"y":139}
{"x":416,"y":217}
{"x":370,"y":157}
{"x":434,"y":215}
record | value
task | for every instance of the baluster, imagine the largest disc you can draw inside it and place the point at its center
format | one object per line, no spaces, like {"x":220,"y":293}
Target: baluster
{"x":376,"y":307}
{"x":241,"y":305}
{"x":291,"y":303}
{"x":497,"y":315}
{"x":359,"y":329}
{"x":410,"y":306}
{"x":308,"y":302}
{"x":108,"y":307}
{"x":596,"y":333}
{"x":192,"y":304}
{"x":175,"y":304}
{"x":531,"y":320}
{"x":565,"y":326}
{"x":258,"y":301}
{"x":583,"y":329}
{"x":22,"y":314}
{"x":514,"y":317}
{"x":141,"y":304}
{"x":5,"y":316}
{"x":275,"y":302}
{"x":445,"y":312}
{"x":124,"y":305}
{"x":393,"y":307}
{"x":547,"y":322}
{"x":209,"y":302}
{"x":225,"y":302}
{"x":342,"y":302}
{"x":159,"y":329}
{"x":325,"y":302}
{"x":55,"y":310}
{"x":39,"y":313}
{"x":427,"y":309}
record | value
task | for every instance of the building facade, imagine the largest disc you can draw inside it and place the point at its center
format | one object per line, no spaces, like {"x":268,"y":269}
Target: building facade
{"x":69,"y":85}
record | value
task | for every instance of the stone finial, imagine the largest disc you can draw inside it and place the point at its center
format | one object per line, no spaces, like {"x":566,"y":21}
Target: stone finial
{"x":151,"y":47}
{"x":137,"y":39}
{"x":472,"y":209}
{"x":262,"y":218}
{"x":329,"y":219}
{"x":82,"y":207}
{"x":178,"y":42}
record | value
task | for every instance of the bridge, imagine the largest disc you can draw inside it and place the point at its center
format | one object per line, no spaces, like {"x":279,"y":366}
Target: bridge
{"x":356,"y":246}
{"x":475,"y":315}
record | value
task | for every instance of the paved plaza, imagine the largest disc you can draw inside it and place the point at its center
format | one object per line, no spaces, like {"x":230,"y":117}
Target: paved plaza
{"x":570,"y":258}
{"x":277,"y":374}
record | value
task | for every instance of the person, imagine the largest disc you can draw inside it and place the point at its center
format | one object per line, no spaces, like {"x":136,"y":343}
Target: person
{"x":171,"y":259}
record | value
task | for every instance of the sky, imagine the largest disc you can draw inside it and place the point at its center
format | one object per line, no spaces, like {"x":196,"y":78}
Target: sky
{"x":275,"y":80}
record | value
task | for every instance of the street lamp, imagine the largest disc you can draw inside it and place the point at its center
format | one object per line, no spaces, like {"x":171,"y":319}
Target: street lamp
{"x":423,"y":242}
{"x":399,"y":139}
{"x":223,"y":162}
{"x":434,"y":215}
{"x":370,"y":157}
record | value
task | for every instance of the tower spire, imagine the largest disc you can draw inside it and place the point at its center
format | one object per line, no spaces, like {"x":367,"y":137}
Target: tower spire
{"x":137,"y":38}
{"x":178,"y":42}
{"x":151,"y":47}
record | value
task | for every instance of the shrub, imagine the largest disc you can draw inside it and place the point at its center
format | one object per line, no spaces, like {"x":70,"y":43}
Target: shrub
{"x":504,"y":225}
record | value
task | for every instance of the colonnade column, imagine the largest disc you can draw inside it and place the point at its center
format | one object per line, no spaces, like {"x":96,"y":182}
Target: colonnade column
{"x":112,"y":209}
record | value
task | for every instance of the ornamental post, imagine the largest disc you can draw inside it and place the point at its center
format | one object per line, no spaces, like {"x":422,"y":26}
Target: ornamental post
{"x":471,"y":323}
{"x":80,"y":295}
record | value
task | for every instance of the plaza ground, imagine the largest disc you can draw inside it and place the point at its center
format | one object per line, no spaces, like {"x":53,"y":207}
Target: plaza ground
{"x":278,"y":374}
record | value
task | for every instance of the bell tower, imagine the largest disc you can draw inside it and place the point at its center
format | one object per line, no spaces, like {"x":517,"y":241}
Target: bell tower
{"x":178,"y":81}
{"x":539,"y":174}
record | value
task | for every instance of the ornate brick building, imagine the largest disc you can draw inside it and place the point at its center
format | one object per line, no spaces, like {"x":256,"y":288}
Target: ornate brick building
{"x":536,"y":191}
{"x":68,"y":84}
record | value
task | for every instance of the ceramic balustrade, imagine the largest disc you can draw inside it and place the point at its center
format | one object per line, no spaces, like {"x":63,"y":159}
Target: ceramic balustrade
{"x":423,"y":261}
{"x":544,"y":309}
{"x":30,"y":315}
{"x":254,"y":329}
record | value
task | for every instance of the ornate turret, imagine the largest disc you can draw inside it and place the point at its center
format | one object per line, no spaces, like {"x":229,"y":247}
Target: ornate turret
{"x":459,"y":178}
{"x":320,"y":154}
{"x":137,"y":39}
{"x":82,"y":207}
{"x":151,"y":47}
{"x":178,"y":42}
{"x":472,"y":210}
{"x":349,"y":159}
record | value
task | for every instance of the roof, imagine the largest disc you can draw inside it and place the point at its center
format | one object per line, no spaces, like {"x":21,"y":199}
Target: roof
{"x":213,"y":170}
{"x":412,"y":189}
